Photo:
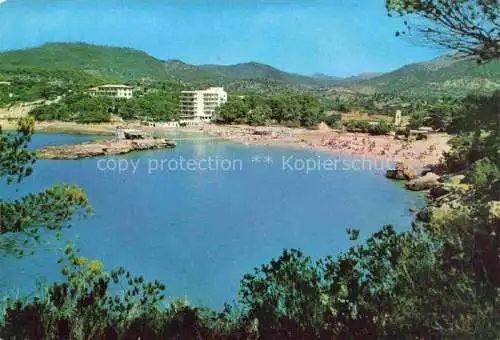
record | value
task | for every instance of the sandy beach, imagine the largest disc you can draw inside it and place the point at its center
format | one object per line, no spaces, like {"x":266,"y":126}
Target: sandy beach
{"x":417,"y":154}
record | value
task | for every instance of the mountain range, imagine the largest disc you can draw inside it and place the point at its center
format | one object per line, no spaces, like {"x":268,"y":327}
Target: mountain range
{"x":446,"y":75}
{"x":340,"y":80}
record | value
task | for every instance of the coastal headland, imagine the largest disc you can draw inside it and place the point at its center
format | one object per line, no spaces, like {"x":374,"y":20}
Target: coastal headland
{"x":103,"y":148}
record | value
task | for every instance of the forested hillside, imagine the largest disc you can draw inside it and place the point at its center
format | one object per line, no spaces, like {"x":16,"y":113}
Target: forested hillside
{"x":446,"y":75}
{"x":128,"y":64}
{"x":104,"y":61}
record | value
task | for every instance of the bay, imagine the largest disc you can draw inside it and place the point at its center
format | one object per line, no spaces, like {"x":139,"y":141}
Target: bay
{"x":200,"y":230}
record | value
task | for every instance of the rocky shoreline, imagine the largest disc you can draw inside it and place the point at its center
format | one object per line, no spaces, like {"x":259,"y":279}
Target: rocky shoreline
{"x":444,"y":191}
{"x":104,"y":147}
{"x":436,"y":184}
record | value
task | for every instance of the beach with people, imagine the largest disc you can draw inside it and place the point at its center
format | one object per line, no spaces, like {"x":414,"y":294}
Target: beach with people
{"x":416,"y":153}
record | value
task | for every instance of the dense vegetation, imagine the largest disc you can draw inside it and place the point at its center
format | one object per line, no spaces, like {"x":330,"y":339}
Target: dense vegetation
{"x":374,"y":128}
{"x":102,"y":61}
{"x":80,"y":108}
{"x":373,"y":103}
{"x":26,"y":85}
{"x":23,"y":221}
{"x":292,"y":110}
{"x":156,"y":102}
{"x":444,"y":76}
{"x":453,"y":115}
{"x":471,"y":27}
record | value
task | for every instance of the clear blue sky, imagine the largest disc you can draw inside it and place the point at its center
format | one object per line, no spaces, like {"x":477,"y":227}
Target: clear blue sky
{"x":336,"y":37}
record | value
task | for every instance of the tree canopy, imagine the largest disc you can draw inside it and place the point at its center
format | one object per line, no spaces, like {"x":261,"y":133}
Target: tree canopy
{"x":291,"y":109}
{"x":159,"y":103}
{"x":471,"y":27}
{"x":22,"y":220}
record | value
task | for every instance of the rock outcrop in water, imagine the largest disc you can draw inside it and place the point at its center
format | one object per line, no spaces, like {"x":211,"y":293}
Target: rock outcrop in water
{"x":103,"y":148}
{"x":402,"y":172}
{"x":426,"y":182}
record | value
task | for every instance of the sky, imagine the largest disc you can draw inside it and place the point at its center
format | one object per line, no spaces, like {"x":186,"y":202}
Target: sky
{"x":334,"y":37}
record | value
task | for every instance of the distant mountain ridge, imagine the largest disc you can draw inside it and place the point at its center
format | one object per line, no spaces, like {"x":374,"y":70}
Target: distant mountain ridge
{"x":441,"y":76}
{"x":445,"y":75}
{"x":361,"y":76}
{"x":179,"y":70}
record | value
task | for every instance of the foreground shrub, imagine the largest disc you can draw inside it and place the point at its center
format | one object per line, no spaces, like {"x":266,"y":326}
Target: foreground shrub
{"x":83,"y":307}
{"x":333,"y":120}
{"x":285,"y":297}
{"x":482,"y":172}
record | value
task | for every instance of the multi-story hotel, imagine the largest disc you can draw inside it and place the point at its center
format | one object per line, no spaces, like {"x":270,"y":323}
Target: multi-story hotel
{"x":117,"y":91}
{"x":199,"y":106}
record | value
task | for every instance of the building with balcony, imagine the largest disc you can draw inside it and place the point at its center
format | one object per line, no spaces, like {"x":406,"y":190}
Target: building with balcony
{"x":199,"y":106}
{"x":116,"y":91}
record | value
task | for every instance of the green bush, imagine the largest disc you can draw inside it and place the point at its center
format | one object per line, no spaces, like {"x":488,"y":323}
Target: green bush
{"x":259,"y":115}
{"x":357,"y":126}
{"x":382,"y":128}
{"x":333,"y":120}
{"x":291,"y":282}
{"x":403,"y":132}
{"x":483,"y":172}
{"x":417,"y":120}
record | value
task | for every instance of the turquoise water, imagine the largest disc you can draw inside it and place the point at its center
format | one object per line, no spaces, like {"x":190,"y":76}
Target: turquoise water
{"x":200,"y":231}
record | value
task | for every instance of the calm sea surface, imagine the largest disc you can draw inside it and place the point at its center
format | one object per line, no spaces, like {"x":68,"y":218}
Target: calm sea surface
{"x":198,"y":228}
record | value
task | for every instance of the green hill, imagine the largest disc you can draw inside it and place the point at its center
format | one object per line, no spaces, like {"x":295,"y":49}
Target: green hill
{"x":128,"y":64}
{"x":103,"y":61}
{"x":442,"y":76}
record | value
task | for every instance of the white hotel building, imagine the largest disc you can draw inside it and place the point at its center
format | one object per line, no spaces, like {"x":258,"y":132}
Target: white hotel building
{"x":199,"y":106}
{"x":116,"y":91}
